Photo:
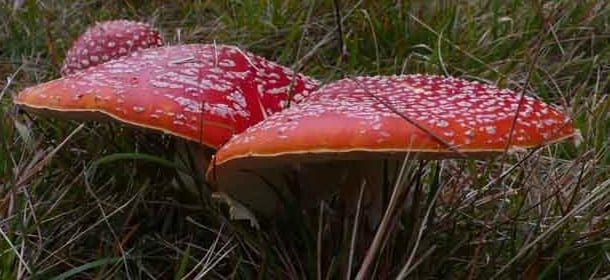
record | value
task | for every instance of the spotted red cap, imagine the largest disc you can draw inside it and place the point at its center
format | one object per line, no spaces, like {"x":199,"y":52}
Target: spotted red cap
{"x":204,"y":93}
{"x":331,"y":141}
{"x":109,"y":40}
{"x":429,"y":116}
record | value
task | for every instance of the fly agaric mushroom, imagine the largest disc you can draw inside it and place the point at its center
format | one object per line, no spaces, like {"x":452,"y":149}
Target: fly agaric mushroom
{"x":203,"y":93}
{"x":343,"y":129}
{"x":109,"y":40}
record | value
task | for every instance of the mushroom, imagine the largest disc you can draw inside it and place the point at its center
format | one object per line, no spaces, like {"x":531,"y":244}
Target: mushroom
{"x":109,"y":40}
{"x":343,"y":134}
{"x":202,"y":93}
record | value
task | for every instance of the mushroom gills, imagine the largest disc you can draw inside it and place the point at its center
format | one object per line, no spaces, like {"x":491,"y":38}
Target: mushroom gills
{"x":294,"y":187}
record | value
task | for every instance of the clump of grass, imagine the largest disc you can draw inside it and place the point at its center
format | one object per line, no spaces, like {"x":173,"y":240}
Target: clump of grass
{"x":100,"y":200}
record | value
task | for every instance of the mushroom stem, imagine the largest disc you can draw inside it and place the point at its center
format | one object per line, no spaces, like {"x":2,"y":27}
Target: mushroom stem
{"x":194,"y":158}
{"x":272,"y":192}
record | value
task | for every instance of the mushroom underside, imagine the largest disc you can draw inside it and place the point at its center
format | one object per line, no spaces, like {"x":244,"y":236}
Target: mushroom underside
{"x":274,"y":190}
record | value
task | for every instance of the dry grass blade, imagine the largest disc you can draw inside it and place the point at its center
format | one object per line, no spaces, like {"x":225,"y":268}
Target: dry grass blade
{"x":385,"y":221}
{"x":319,"y":249}
{"x":99,"y":202}
{"x":524,"y":89}
{"x":352,"y":247}
{"x":72,"y":239}
{"x":456,"y":46}
{"x":211,"y":258}
{"x":407,"y":268}
{"x":9,"y":81}
{"x":600,"y":192}
{"x":17,"y":252}
{"x":325,"y":40}
{"x":409,"y":120}
{"x":23,"y":179}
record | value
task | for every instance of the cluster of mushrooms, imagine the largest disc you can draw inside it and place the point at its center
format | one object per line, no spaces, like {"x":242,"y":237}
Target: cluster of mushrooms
{"x":274,"y":129}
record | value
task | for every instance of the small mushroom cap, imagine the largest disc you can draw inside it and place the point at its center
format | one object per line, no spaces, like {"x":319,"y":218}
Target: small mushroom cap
{"x":204,"y":93}
{"x":381,"y":117}
{"x":109,"y":40}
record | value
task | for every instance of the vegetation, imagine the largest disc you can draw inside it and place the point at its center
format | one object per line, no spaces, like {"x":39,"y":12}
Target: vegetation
{"x":98,"y":200}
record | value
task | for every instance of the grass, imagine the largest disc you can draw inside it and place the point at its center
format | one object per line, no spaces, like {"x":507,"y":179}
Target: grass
{"x":101,"y":201}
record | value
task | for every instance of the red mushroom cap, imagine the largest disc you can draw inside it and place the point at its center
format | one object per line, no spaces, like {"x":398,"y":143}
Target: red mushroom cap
{"x":204,"y":93}
{"x":429,"y":116}
{"x":109,"y":40}
{"x":333,"y":139}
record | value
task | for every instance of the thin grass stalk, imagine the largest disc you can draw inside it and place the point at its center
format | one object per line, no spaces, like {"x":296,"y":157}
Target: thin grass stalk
{"x":352,"y":249}
{"x":380,"y":233}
